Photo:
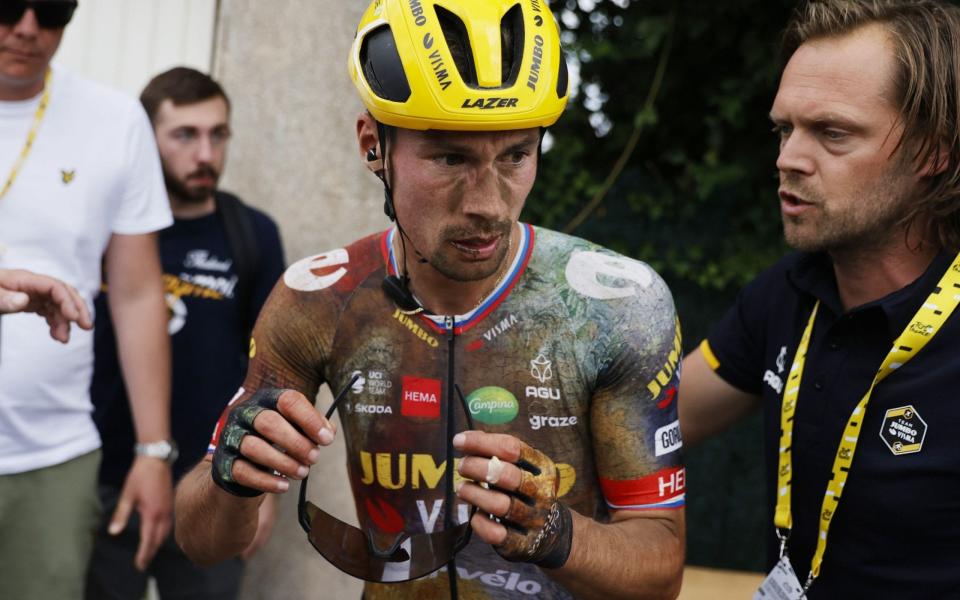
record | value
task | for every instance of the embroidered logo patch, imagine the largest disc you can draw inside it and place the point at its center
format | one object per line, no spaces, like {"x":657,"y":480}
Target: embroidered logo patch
{"x":67,"y":175}
{"x":903,"y":430}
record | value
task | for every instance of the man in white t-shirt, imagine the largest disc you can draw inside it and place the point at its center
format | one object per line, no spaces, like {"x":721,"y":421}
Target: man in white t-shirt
{"x":81,"y":187}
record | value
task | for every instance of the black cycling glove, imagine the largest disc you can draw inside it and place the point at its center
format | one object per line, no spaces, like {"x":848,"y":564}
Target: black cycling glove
{"x":238,"y":425}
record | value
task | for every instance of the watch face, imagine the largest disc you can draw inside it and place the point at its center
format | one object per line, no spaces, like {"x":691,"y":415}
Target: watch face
{"x":164,"y":450}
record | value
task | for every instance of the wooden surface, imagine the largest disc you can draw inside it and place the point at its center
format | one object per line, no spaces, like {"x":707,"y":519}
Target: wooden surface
{"x":700,"y":583}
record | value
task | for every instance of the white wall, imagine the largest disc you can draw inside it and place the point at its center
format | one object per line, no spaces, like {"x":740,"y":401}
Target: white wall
{"x":124,"y":43}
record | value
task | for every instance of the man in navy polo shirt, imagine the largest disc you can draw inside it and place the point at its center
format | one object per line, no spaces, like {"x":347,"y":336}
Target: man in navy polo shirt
{"x":863,"y":479}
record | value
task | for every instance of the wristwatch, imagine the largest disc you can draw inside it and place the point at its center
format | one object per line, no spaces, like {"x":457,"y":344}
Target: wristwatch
{"x":165,"y":450}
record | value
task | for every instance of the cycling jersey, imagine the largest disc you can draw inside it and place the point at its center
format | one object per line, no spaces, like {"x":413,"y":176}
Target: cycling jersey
{"x":576,"y":352}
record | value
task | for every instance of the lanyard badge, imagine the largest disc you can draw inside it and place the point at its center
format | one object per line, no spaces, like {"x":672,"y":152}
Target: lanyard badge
{"x":924,"y":325}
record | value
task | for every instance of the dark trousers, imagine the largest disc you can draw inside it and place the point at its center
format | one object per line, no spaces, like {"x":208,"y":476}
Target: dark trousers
{"x":112,"y":576}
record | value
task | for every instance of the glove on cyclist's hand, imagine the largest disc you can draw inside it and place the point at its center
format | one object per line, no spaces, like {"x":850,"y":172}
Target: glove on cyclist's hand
{"x":263,"y":440}
{"x":530,"y":524}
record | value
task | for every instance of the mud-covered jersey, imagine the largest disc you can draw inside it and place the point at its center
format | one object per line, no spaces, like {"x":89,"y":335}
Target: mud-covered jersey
{"x":576,"y":352}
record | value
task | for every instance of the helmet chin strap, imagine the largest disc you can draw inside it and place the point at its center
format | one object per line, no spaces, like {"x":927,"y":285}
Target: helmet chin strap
{"x":396,"y":288}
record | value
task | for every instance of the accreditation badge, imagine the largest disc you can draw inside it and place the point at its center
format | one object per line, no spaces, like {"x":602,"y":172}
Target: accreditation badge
{"x":781,"y":583}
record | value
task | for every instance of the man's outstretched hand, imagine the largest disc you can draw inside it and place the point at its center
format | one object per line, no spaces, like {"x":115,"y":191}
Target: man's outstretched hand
{"x":60,"y":304}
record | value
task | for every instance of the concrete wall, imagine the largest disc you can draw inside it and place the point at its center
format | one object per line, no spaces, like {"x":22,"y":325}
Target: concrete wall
{"x":294,"y":154}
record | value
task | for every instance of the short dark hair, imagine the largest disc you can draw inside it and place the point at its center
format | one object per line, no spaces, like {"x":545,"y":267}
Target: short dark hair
{"x":926,"y":88}
{"x":180,"y":85}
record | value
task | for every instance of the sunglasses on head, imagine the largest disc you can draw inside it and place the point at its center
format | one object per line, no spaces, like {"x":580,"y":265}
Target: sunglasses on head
{"x":369,"y":557}
{"x":51,"y":14}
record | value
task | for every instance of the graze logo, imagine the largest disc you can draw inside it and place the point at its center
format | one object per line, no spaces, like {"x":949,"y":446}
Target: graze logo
{"x":375,"y":383}
{"x":420,"y":397}
{"x":490,"y":103}
{"x":415,"y":328}
{"x":538,"y":421}
{"x":607,"y":277}
{"x":666,"y":373}
{"x":316,"y":273}
{"x":492,"y":405}
{"x":396,"y":471}
{"x":903,"y":430}
{"x":667,"y":439}
{"x":541,"y":368}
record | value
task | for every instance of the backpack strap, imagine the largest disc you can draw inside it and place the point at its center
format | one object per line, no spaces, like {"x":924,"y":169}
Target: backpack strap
{"x":242,"y":240}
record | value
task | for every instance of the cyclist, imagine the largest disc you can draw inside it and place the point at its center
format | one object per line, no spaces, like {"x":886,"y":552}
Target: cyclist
{"x":565,"y":353}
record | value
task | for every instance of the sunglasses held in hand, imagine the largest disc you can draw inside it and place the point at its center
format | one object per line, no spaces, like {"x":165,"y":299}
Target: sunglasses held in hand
{"x":50,"y":14}
{"x":358,"y":553}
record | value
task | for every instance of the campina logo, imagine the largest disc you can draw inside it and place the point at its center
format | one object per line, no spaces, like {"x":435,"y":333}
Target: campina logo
{"x":493,"y":405}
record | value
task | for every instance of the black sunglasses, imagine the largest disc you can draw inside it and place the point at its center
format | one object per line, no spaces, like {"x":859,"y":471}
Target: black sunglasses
{"x":51,"y":14}
{"x":359,"y":554}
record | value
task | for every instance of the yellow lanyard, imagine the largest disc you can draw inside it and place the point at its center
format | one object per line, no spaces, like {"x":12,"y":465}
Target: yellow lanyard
{"x":37,"y":119}
{"x":923,"y":326}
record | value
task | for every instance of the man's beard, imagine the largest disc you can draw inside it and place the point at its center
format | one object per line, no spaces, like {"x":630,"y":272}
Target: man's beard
{"x":871,"y":223}
{"x":193,"y":194}
{"x":477,"y":271}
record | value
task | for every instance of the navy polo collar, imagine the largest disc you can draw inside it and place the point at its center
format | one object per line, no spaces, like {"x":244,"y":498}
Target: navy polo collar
{"x":812,"y":275}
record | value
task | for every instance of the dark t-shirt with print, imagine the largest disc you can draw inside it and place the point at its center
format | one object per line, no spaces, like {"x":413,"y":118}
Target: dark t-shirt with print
{"x":207,"y":339}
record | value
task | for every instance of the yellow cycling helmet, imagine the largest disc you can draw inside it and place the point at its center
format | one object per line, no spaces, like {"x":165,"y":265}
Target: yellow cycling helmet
{"x":463,"y":65}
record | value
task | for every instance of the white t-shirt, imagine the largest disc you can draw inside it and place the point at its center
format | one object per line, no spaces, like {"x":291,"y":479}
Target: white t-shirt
{"x":93,"y":171}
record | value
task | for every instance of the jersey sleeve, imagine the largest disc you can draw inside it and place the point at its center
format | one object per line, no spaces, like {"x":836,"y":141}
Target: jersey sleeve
{"x":636,"y":431}
{"x":287,"y":348}
{"x":734,"y":347}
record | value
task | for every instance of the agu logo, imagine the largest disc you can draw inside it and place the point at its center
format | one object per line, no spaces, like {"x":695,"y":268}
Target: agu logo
{"x":421,"y":397}
{"x":492,"y":405}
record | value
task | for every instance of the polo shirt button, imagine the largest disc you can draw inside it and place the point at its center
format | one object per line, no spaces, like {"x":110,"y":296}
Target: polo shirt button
{"x":817,"y":385}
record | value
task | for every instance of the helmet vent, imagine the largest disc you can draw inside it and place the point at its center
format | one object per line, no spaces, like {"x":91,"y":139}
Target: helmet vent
{"x":382,"y":67}
{"x":458,"y":41}
{"x":511,"y":44}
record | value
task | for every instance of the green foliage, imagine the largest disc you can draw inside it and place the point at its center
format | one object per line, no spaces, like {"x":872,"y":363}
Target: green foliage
{"x":697,"y":197}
